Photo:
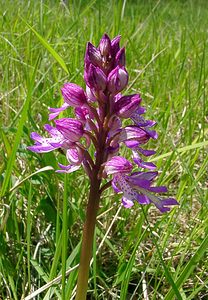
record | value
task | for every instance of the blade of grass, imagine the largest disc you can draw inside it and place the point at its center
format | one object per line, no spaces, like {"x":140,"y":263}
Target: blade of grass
{"x":12,"y":285}
{"x":181,"y":150}
{"x":43,"y":41}
{"x":190,"y":266}
{"x":128,"y":271}
{"x":19,"y":132}
{"x":168,"y":276}
{"x":47,"y":168}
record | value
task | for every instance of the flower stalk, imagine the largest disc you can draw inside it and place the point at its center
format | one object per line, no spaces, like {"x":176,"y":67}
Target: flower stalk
{"x":87,"y":240}
{"x":99,"y":112}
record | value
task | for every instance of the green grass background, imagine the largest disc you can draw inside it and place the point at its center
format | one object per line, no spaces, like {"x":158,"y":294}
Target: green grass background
{"x":141,"y":253}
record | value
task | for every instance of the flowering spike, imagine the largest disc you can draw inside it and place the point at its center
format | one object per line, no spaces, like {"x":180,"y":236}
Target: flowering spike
{"x":98,"y":120}
{"x":97,"y":124}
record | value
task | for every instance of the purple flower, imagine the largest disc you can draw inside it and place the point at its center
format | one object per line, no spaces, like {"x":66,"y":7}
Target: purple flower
{"x":43,"y":145}
{"x":134,"y":133}
{"x":115,"y":45}
{"x":119,"y":165}
{"x":120,"y":58}
{"x":91,"y":95}
{"x":92,"y":56}
{"x":136,"y":186}
{"x":97,"y":124}
{"x":75,"y":157}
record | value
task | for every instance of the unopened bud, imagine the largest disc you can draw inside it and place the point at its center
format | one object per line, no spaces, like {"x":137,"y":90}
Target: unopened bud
{"x":117,"y":80}
{"x":95,"y":78}
{"x":73,"y":94}
{"x":105,"y":46}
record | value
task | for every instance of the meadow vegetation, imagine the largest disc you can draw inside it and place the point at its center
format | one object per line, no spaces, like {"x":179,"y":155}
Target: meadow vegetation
{"x":138,"y":253}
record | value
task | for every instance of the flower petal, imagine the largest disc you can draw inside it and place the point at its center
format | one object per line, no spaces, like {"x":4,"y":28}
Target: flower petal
{"x":75,"y":156}
{"x":143,"y":199}
{"x":134,"y":133}
{"x":67,"y":169}
{"x":114,"y":185}
{"x":137,"y":159}
{"x":73,"y":94}
{"x":118,"y":164}
{"x":127,"y":203}
{"x":56,"y":111}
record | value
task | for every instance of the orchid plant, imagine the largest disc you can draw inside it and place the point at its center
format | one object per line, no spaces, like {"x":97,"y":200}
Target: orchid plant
{"x":99,"y":112}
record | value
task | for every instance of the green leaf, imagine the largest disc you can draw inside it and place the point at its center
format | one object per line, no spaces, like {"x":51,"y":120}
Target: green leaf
{"x":43,"y":41}
{"x":181,"y":150}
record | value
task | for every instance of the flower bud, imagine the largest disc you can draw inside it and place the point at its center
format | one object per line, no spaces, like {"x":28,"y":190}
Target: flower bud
{"x":70,"y":128}
{"x":105,"y":46}
{"x":73,"y":94}
{"x":91,"y":97}
{"x":95,"y":78}
{"x":115,"y":45}
{"x":126,"y":105}
{"x":121,"y":58}
{"x":92,"y":56}
{"x":118,"y":164}
{"x":82,"y":114}
{"x":115,"y":126}
{"x":117,"y":80}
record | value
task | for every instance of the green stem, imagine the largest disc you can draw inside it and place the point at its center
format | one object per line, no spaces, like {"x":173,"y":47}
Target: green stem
{"x":87,"y":239}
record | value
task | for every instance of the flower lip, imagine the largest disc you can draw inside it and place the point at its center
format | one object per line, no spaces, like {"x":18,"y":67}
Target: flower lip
{"x":56,"y":111}
{"x":42,"y":144}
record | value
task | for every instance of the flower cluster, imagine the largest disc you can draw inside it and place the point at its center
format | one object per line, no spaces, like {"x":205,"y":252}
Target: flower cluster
{"x":99,"y":111}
